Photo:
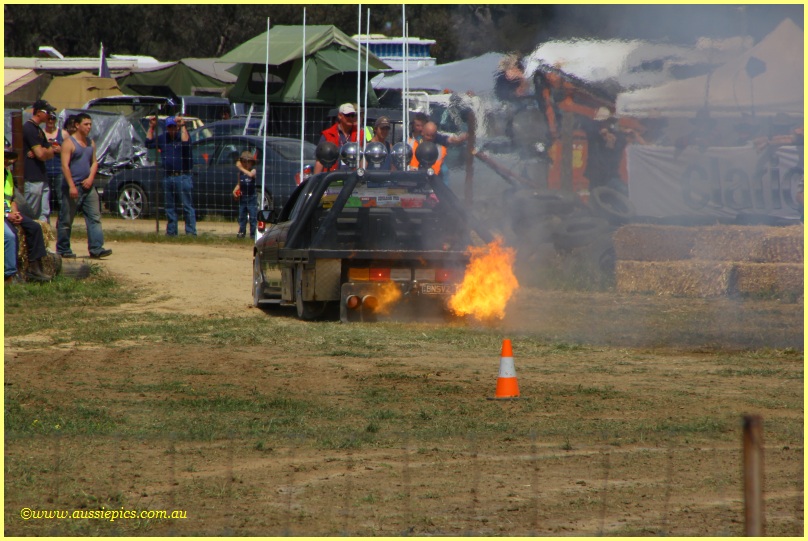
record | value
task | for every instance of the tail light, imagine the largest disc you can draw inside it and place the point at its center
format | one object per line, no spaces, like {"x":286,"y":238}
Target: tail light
{"x":379,"y":275}
{"x":307,"y":171}
{"x":444,"y":275}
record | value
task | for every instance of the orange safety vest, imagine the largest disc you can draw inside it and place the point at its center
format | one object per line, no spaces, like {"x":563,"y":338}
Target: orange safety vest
{"x":437,"y":164}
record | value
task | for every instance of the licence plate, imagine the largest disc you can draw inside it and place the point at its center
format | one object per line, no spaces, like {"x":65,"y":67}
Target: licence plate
{"x":438,"y":289}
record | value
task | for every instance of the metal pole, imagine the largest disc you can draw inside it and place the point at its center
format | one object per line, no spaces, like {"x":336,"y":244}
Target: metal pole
{"x":17,"y":145}
{"x":404,"y":124}
{"x":367,"y":62}
{"x":358,"y":65}
{"x":303,"y":99}
{"x":266,"y":106}
{"x":407,"y":71}
{"x":753,"y":475}
{"x":157,"y":171}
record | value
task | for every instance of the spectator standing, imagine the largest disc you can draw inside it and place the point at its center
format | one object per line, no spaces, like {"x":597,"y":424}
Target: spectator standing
{"x":343,"y":131}
{"x":381,"y":130}
{"x":245,"y":192}
{"x":79,"y":167}
{"x":177,"y":162}
{"x":605,"y":146}
{"x":420,"y":120}
{"x":429,"y":133}
{"x":37,"y":150}
{"x":34,"y":239}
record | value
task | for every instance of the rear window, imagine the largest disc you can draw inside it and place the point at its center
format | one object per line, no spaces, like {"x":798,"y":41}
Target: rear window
{"x":391,"y":194}
{"x":391,"y":215}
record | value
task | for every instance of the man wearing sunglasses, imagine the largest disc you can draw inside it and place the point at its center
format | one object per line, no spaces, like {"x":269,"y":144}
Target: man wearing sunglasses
{"x":38,"y":150}
{"x":343,"y":131}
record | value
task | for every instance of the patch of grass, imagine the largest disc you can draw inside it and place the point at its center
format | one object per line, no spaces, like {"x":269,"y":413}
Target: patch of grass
{"x":112,"y":235}
{"x":27,"y":414}
{"x":760,"y":372}
{"x":61,"y":304}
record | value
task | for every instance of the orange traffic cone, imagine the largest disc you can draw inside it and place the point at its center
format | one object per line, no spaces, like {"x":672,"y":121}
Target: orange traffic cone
{"x":507,"y":386}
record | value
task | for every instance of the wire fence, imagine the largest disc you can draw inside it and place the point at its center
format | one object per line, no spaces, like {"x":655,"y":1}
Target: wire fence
{"x":289,"y":485}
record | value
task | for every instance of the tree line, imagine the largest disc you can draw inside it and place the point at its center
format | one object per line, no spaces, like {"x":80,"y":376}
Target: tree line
{"x":171,"y":32}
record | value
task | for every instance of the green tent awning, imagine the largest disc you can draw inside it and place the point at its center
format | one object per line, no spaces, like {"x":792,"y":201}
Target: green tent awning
{"x":330,"y":55}
{"x":184,"y":78}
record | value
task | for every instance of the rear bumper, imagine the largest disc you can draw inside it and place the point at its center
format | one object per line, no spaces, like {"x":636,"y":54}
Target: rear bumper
{"x":394,"y":301}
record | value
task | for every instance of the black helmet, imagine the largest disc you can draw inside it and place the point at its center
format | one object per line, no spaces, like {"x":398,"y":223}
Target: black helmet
{"x":426,"y":154}
{"x":327,"y":153}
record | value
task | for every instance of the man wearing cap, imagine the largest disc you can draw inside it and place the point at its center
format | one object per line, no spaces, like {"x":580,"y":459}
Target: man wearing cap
{"x":175,"y":147}
{"x":381,"y":130}
{"x":34,"y":239}
{"x":37,"y":150}
{"x":343,"y":131}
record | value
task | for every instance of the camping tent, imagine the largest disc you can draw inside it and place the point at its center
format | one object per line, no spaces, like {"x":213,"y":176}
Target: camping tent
{"x":765,"y":80}
{"x":472,"y":74}
{"x":22,"y":87}
{"x":331,"y":66}
{"x":189,"y":76}
{"x":72,"y":91}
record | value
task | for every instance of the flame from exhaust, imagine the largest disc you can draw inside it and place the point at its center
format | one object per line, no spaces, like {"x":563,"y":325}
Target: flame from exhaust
{"x":488,"y":284}
{"x":387,"y":295}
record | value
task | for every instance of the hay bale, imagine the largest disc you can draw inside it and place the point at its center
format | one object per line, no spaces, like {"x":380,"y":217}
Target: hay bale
{"x":769,"y":278}
{"x":674,"y":278}
{"x":48,"y":232}
{"x":647,"y":242}
{"x":784,"y":245}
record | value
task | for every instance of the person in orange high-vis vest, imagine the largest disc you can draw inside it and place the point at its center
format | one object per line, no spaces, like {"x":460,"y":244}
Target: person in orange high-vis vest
{"x":428,"y":134}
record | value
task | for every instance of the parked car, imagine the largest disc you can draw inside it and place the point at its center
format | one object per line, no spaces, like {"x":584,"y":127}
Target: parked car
{"x":133,"y":107}
{"x":233,"y":126}
{"x":208,"y":108}
{"x":132,"y":193}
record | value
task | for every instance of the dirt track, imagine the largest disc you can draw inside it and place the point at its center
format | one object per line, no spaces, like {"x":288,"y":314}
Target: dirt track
{"x":280,"y":482}
{"x":206,"y":280}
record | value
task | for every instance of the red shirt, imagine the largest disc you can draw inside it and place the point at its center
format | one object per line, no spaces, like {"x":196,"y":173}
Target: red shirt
{"x":338,"y":137}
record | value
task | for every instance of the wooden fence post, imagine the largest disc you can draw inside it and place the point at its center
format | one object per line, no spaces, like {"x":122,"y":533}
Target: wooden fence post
{"x":753,"y":475}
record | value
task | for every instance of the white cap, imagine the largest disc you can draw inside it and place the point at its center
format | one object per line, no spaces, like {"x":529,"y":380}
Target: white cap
{"x":346,"y":109}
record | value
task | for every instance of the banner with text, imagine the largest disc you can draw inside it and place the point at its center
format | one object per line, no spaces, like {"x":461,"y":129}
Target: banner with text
{"x":719,"y":182}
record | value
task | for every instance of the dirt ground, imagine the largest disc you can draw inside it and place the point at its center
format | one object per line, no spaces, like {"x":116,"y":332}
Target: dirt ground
{"x":566,"y":485}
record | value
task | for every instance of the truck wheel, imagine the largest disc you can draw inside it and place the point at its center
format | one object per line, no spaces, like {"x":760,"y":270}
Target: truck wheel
{"x":258,"y":282}
{"x":612,"y":205}
{"x":307,"y":310}
{"x":578,"y":231}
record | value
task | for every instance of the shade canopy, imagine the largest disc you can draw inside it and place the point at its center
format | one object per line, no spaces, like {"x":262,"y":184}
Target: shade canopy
{"x":472,"y":74}
{"x":73,"y":91}
{"x":765,"y":80}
